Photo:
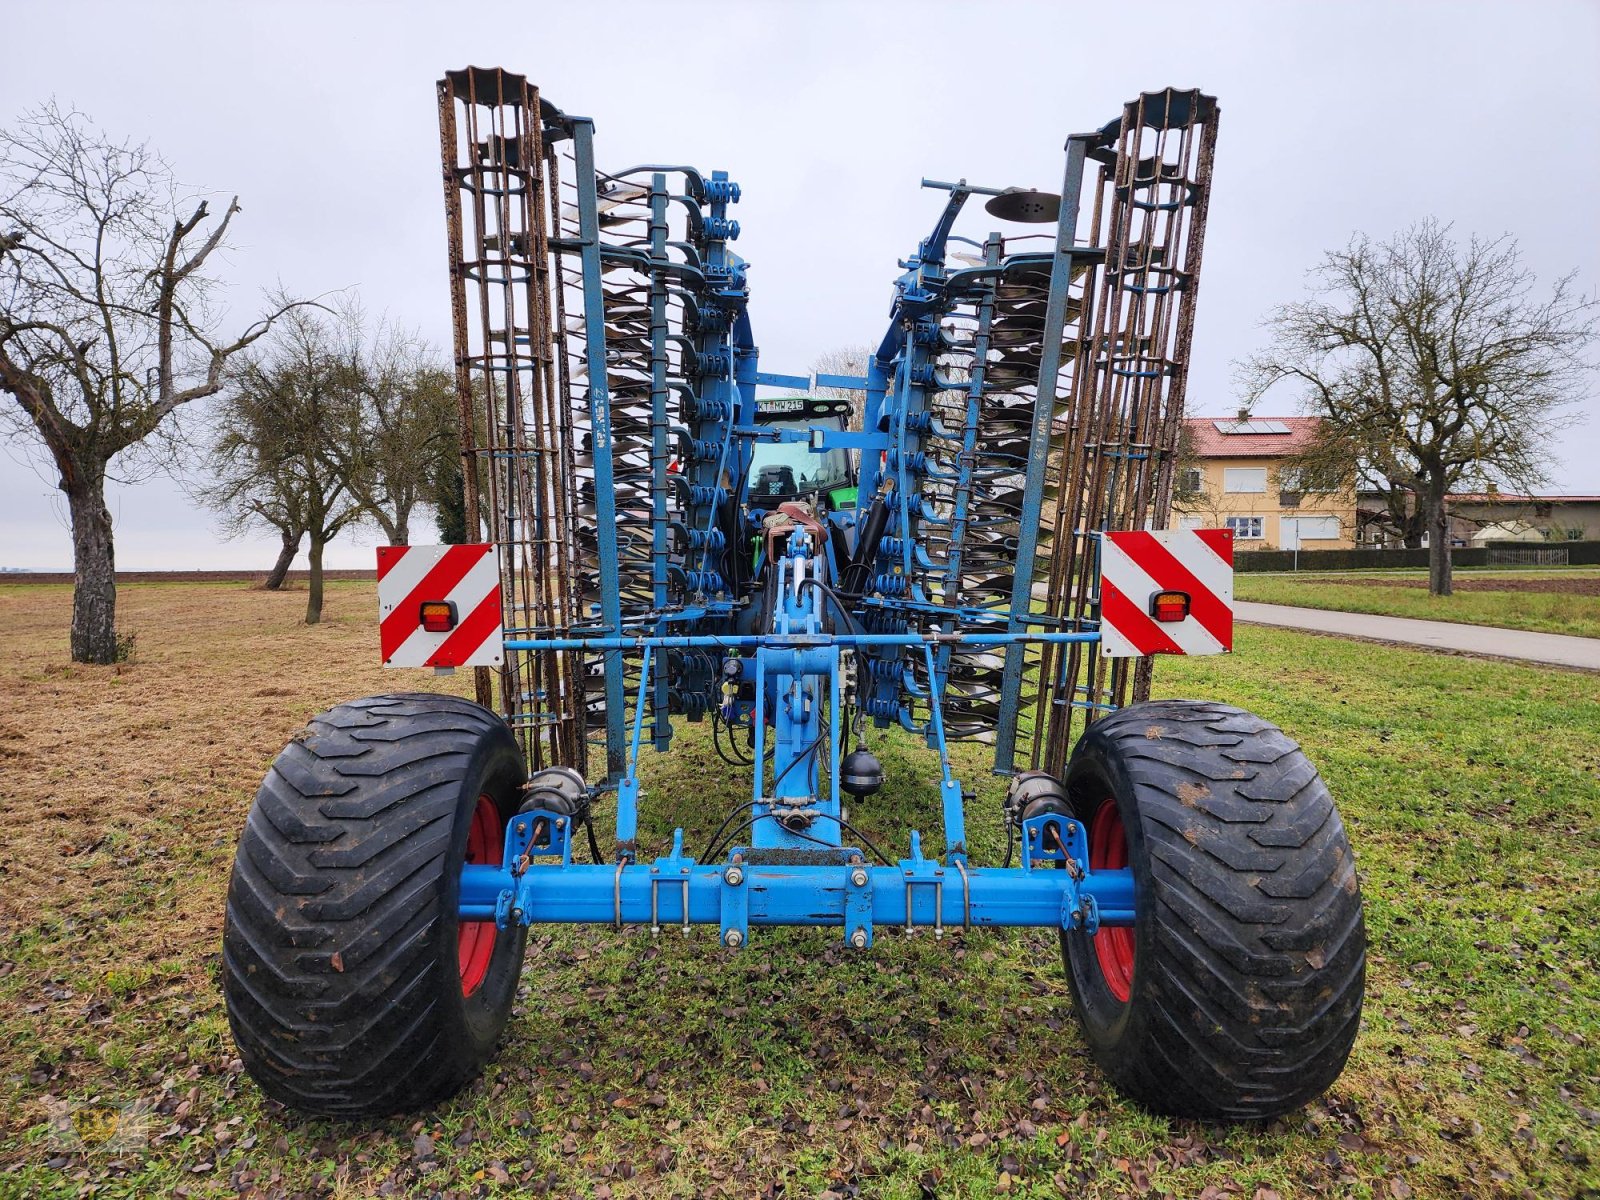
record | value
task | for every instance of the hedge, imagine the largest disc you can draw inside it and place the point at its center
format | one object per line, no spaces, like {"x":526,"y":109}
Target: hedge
{"x":1578,"y":554}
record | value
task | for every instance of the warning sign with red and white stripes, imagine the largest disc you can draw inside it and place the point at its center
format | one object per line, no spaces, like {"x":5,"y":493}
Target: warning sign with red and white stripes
{"x":1140,"y":570}
{"x":457,"y":589}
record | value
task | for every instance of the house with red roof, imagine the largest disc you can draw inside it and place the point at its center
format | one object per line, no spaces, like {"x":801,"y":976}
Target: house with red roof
{"x":1236,"y":474}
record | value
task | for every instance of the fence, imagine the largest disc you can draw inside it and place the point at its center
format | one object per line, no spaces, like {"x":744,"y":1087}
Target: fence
{"x":1540,"y":556}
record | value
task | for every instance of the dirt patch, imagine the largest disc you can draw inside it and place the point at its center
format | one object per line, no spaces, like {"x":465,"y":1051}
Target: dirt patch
{"x":1575,"y":585}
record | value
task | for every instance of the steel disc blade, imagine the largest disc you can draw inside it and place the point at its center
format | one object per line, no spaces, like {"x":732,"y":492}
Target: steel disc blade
{"x":1024,"y":205}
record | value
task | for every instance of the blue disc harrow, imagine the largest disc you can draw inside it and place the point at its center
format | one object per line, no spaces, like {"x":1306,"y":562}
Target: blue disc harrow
{"x":683,"y":536}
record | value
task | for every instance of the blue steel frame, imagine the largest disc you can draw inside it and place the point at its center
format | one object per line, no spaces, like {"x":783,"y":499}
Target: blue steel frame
{"x":1051,"y":889}
{"x":795,"y":666}
{"x":594,"y":323}
{"x":1038,"y":444}
{"x":1054,"y":887}
{"x":798,"y":867}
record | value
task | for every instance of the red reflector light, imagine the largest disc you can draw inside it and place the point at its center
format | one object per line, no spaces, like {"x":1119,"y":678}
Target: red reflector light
{"x":1169,"y":607}
{"x":438,"y":616}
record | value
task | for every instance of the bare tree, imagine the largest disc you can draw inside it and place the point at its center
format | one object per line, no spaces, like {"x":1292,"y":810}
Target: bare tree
{"x":273,"y":444}
{"x":373,"y":407}
{"x":404,"y":422}
{"x":104,"y":326}
{"x":246,"y":488}
{"x":1435,"y":366}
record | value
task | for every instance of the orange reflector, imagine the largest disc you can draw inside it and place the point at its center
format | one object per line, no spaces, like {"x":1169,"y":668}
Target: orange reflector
{"x":1169,"y":607}
{"x":438,"y":616}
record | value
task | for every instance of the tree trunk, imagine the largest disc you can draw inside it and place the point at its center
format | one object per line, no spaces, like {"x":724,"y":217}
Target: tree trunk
{"x":94,"y":574}
{"x":280,"y":569}
{"x":314,"y":592}
{"x":1439,"y":583}
{"x":1410,"y":521}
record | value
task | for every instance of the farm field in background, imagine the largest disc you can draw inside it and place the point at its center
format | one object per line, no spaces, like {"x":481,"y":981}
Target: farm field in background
{"x":1545,"y":601}
{"x":669,"y":1067}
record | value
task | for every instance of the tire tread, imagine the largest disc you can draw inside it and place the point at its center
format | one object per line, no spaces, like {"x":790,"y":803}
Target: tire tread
{"x":1253,"y":993}
{"x":329,"y":966}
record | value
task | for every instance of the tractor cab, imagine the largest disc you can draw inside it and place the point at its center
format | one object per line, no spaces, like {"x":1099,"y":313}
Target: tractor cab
{"x":791,"y":469}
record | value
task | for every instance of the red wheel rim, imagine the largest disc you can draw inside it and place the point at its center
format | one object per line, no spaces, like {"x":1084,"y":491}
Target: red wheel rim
{"x":1113,"y":945}
{"x":475,"y":939}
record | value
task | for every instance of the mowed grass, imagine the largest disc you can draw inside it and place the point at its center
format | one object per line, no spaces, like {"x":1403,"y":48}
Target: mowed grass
{"x":670,"y":1067}
{"x":1568,"y":612}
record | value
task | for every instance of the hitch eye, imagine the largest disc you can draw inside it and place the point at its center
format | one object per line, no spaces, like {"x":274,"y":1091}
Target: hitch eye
{"x":1169,"y":607}
{"x":438,"y":616}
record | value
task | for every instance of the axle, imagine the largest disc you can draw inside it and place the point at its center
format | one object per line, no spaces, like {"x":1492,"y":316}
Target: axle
{"x":1053,"y":888}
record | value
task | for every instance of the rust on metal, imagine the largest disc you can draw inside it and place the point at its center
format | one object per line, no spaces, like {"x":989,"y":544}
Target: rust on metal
{"x":517,"y":431}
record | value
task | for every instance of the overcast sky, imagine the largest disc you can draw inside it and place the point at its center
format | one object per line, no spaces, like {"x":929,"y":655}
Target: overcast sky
{"x":1336,"y":117}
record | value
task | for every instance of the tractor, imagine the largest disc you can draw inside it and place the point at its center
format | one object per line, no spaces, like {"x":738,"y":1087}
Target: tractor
{"x":966,"y":541}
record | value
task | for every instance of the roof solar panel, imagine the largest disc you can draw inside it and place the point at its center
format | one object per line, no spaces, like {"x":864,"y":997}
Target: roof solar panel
{"x":1246,"y":427}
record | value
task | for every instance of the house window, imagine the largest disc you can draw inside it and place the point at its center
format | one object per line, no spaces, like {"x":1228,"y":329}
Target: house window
{"x":1191,"y":522}
{"x":1292,"y":479}
{"x":1190,"y":481}
{"x":1244,"y":479}
{"x":1245,"y":528}
{"x":1317,"y":528}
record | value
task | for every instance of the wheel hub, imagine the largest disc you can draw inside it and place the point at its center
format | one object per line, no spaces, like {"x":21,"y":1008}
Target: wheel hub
{"x":475,"y":939}
{"x":1113,"y":945}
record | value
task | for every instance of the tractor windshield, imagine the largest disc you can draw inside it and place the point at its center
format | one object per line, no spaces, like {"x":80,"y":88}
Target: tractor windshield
{"x":790,"y":469}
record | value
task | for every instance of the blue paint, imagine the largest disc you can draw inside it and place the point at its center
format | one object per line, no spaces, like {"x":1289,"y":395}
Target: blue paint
{"x":1038,"y":447}
{"x":594,"y":328}
{"x":917,"y":891}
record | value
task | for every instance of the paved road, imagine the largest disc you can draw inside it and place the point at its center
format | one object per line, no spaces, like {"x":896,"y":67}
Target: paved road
{"x":1559,"y":648}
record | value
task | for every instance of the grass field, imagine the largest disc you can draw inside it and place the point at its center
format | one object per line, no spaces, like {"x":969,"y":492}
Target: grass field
{"x":1543,"y":601}
{"x":640,"y":1067}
